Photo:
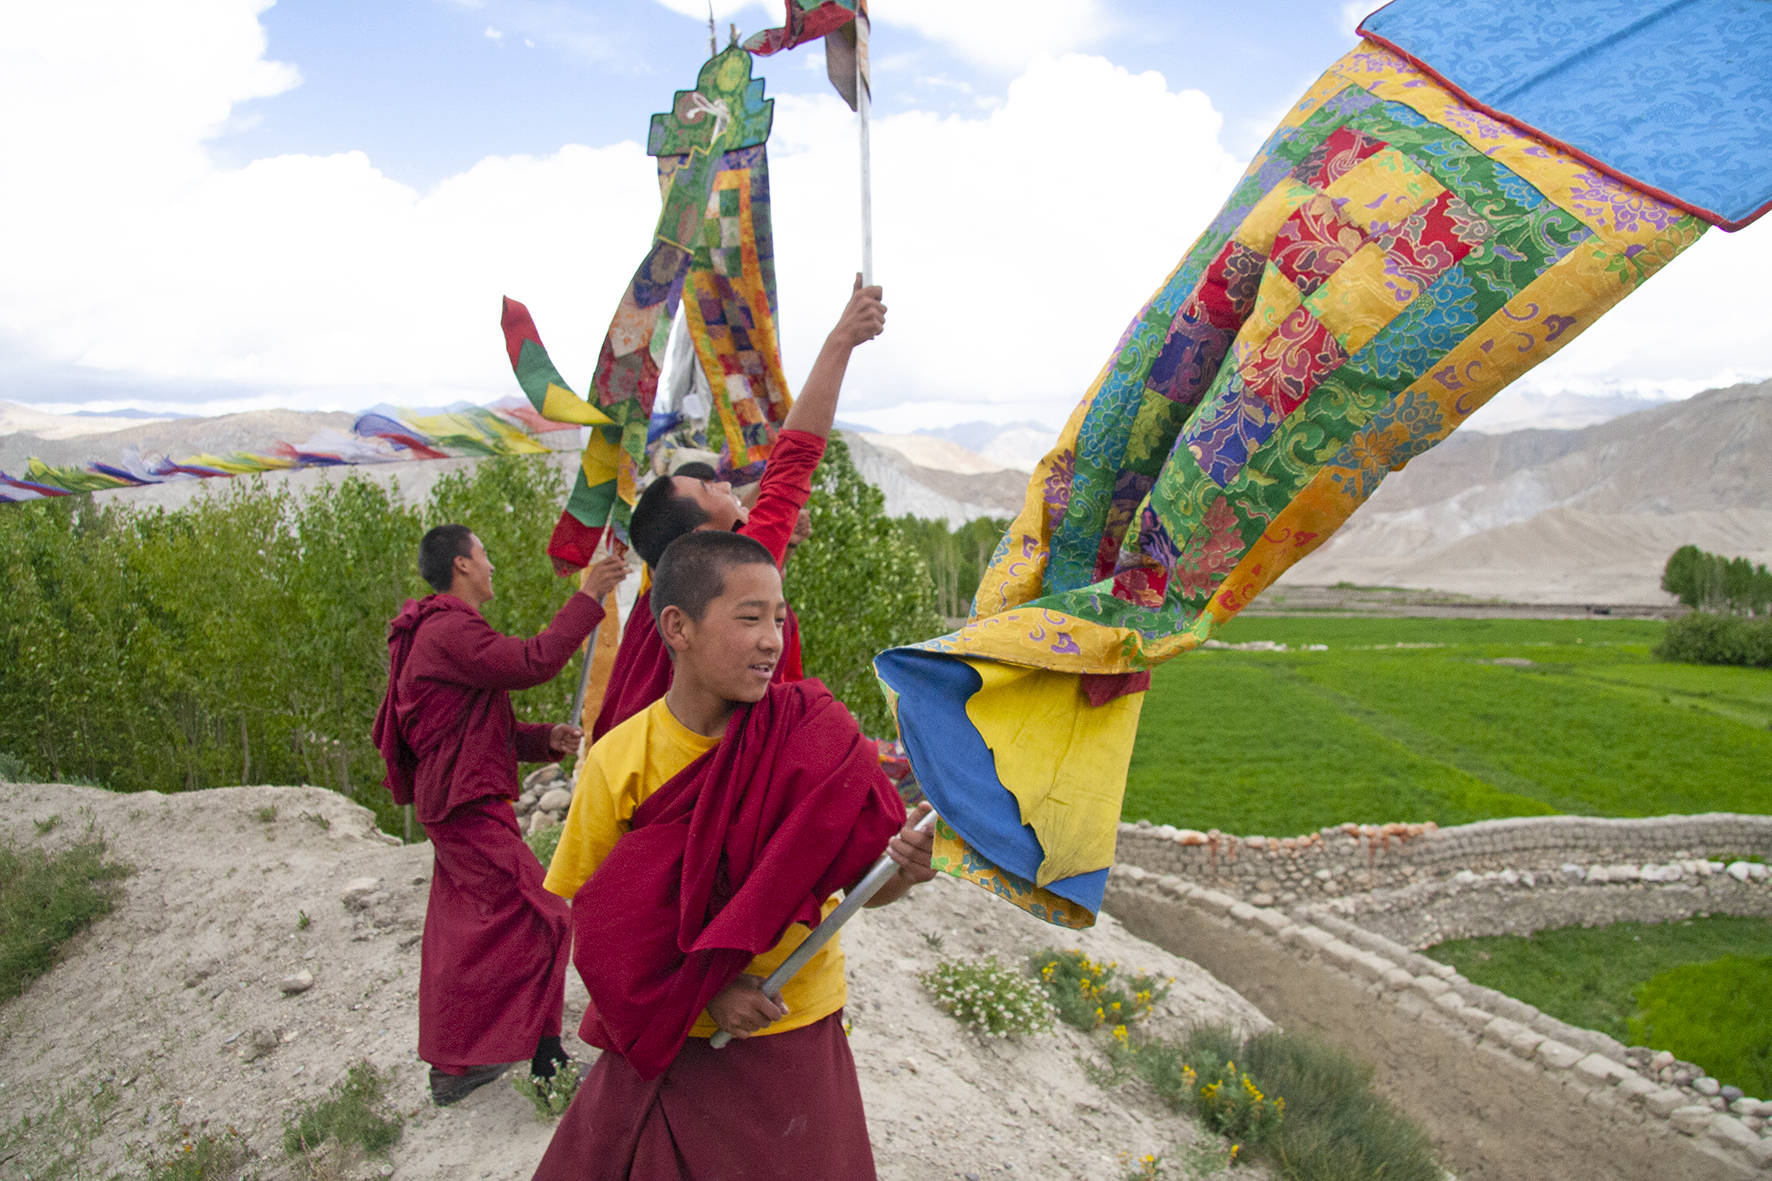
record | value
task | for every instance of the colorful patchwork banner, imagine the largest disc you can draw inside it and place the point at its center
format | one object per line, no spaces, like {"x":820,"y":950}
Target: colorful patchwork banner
{"x":725,"y":113}
{"x":384,"y":435}
{"x":1391,"y":259}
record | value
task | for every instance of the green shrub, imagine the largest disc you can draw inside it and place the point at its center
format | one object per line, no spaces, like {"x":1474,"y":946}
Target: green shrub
{"x":1088,"y":995}
{"x":47,"y":900}
{"x":1336,"y":1128}
{"x":1704,"y":638}
{"x":988,"y":997}
{"x":14,"y":769}
{"x":858,"y":586}
{"x":550,"y":1096}
{"x":1304,"y":1107}
{"x":1714,"y":1014}
{"x":351,"y":1115}
{"x":206,"y":1157}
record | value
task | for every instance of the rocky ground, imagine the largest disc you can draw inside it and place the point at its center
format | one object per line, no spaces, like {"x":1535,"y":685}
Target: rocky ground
{"x":269,"y":937}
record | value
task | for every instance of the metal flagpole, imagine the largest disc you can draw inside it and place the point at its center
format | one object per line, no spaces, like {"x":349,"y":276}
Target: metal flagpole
{"x":862,"y":103}
{"x":822,"y":934}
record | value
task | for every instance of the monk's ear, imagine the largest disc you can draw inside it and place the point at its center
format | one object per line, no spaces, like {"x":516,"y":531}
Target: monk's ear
{"x":673,"y":627}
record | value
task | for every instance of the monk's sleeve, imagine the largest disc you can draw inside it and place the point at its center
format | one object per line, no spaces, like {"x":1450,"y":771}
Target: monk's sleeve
{"x":534,"y":742}
{"x":786,"y":486}
{"x":474,"y":654}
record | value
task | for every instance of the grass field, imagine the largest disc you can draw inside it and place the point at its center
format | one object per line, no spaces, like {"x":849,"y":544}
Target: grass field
{"x":1695,"y":987}
{"x":1280,"y":743}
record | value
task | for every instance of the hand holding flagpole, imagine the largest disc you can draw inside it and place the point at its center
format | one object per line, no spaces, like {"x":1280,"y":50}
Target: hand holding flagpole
{"x":857,"y":897}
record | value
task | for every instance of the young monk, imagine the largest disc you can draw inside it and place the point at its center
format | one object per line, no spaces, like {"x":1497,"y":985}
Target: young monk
{"x":674,"y":505}
{"x":492,"y":969}
{"x":711,"y":830}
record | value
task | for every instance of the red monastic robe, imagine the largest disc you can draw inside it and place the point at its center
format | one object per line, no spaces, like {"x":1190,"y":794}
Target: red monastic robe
{"x":752,"y":836}
{"x":642,"y":669}
{"x":493,"y":965}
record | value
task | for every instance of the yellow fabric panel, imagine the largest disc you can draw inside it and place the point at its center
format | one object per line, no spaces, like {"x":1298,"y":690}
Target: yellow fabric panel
{"x":601,"y":458}
{"x":1063,"y":760}
{"x":953,"y":856}
{"x":1359,"y":299}
{"x":1383,"y":189}
{"x":1275,"y":299}
{"x":562,"y":405}
{"x":630,"y":763}
{"x":1258,"y":228}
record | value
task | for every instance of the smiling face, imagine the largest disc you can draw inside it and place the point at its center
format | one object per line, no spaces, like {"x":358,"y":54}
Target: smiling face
{"x":473,"y":575}
{"x":713,"y":497}
{"x":728,"y":656}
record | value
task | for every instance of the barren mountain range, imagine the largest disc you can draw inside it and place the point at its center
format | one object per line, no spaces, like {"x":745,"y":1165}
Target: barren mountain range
{"x":1579,"y":516}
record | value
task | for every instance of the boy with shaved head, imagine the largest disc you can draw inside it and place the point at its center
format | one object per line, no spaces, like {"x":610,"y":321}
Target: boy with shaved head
{"x":673,"y":505}
{"x":708,"y":833}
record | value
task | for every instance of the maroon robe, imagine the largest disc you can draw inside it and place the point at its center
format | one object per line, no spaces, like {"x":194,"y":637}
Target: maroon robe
{"x":493,"y":966}
{"x":790,"y":807}
{"x":642,"y":669}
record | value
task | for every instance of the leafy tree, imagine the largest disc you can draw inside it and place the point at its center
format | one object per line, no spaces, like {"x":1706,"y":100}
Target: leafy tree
{"x":858,"y":586}
{"x":957,"y":558}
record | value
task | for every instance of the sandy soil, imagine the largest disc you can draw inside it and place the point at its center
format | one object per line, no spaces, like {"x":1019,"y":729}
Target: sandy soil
{"x":173,"y":1004}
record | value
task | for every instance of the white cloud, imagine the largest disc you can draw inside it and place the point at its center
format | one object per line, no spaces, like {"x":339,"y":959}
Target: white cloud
{"x":1355,"y":11}
{"x":1014,"y":243}
{"x":493,"y":34}
{"x":1002,"y":34}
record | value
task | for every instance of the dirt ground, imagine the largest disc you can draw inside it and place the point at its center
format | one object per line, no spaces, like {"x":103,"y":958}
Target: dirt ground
{"x":1492,"y":1116}
{"x":166,"y":1020}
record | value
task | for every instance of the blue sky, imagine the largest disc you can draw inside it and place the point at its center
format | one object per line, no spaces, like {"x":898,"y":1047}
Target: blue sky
{"x":227,"y":204}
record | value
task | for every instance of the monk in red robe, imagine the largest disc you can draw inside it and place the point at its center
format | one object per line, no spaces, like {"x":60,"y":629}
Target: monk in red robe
{"x":493,"y":965}
{"x":674,"y":505}
{"x":713,"y":829}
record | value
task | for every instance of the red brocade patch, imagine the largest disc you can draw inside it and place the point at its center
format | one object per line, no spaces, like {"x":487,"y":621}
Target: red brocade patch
{"x":1313,"y":243}
{"x":1290,"y":362}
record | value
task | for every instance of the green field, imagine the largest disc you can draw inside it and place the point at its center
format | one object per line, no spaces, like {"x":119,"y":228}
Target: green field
{"x":1280,"y":743}
{"x":1695,"y":987}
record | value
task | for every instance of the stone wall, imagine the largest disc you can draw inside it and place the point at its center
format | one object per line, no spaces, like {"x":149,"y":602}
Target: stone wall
{"x":1365,"y":857}
{"x":1506,"y":1092}
{"x":1362,"y":899}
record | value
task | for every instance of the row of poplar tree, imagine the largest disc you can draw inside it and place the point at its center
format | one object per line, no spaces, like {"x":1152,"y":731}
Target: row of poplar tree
{"x":1711,"y":582}
{"x":242,"y":639}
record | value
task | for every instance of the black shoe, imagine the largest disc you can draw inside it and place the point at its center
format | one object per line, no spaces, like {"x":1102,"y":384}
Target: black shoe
{"x":550,"y":1055}
{"x":452,"y":1088}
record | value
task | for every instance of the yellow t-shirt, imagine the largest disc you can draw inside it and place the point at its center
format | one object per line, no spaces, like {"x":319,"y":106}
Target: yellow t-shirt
{"x":626,"y":766}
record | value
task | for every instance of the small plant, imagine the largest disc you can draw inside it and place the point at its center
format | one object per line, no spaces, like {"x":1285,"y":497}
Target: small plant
{"x":302,"y":920}
{"x":47,"y":825}
{"x":350,"y":1115}
{"x":316,"y":818}
{"x":992,"y":999}
{"x":207,"y":1157}
{"x":1231,"y":1103}
{"x":48,"y":900}
{"x":14,"y":769}
{"x":1089,"y":995}
{"x":550,"y":1096}
{"x":267,"y":813}
{"x":932,"y":940}
{"x":48,"y":1145}
{"x":1148,"y":1167}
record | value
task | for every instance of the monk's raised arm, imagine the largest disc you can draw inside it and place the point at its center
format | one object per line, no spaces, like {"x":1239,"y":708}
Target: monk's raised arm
{"x":469,"y":652}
